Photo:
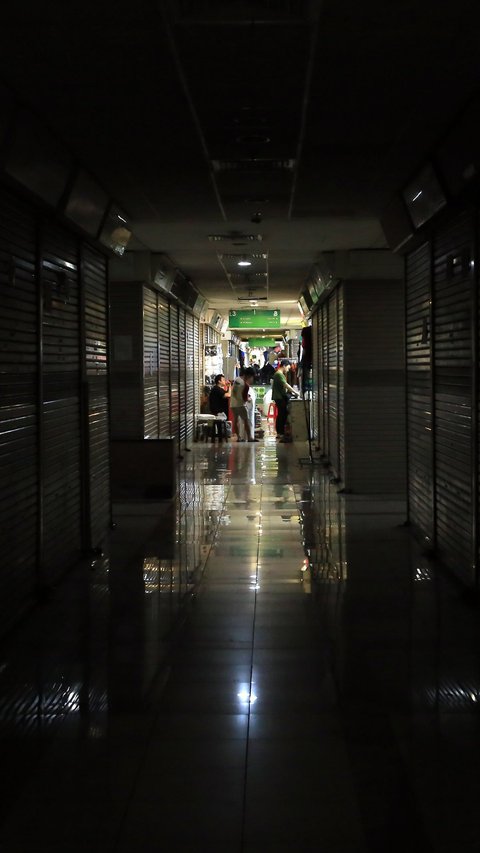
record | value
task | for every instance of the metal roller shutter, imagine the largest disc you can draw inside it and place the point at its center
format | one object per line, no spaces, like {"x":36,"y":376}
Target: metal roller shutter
{"x":325,"y":386}
{"x":315,"y":385}
{"x":197,"y":365}
{"x":164,"y":366}
{"x":150,"y":363}
{"x":190,"y":375}
{"x":94,"y":279}
{"x":182,"y":376}
{"x":341,"y":382}
{"x":18,"y":409}
{"x":319,"y":381}
{"x":419,"y":391}
{"x":333,"y":421}
{"x":61,"y":447}
{"x":174,"y":373}
{"x":453,"y":251}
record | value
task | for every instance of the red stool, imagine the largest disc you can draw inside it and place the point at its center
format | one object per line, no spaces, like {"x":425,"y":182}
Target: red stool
{"x":272,"y":412}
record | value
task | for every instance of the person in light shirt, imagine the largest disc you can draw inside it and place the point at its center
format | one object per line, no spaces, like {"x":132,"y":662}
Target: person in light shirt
{"x":281,"y":391}
{"x":239,"y":401}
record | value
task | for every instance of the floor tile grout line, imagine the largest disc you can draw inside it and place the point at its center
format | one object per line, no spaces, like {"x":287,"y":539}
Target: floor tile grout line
{"x":116,"y":841}
{"x":247,"y":743}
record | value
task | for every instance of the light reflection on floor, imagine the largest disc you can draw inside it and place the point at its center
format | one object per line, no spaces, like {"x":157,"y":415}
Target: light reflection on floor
{"x":264,"y":664}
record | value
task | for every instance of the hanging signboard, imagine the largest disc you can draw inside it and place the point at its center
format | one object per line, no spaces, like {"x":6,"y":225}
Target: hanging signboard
{"x":261,"y":343}
{"x":303,"y":305}
{"x":254,"y":318}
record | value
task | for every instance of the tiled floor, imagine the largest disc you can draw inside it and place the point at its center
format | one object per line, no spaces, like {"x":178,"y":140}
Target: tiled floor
{"x":266,"y":665}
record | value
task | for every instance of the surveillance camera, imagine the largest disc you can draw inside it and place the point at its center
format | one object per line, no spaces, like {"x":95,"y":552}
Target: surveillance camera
{"x":257,"y":217}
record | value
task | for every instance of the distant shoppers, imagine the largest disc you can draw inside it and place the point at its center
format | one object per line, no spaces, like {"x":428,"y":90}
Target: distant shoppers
{"x":266,"y":373}
{"x":239,"y":402}
{"x":281,"y":392}
{"x":256,"y":370}
{"x":218,"y":402}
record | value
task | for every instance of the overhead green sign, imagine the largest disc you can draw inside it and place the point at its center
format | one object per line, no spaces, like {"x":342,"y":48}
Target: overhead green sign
{"x":261,"y":343}
{"x":254,"y":318}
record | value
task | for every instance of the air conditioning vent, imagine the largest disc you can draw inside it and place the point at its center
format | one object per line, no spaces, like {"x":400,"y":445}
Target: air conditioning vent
{"x":255,"y":256}
{"x":254,"y":164}
{"x":232,"y":11}
{"x":249,"y":298}
{"x":234,"y":276}
{"x":235,"y":237}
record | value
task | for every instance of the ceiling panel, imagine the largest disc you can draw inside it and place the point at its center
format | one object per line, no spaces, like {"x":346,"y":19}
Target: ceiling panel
{"x":186,"y":110}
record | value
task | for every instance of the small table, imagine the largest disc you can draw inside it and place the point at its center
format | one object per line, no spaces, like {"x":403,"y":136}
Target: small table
{"x":205,"y":427}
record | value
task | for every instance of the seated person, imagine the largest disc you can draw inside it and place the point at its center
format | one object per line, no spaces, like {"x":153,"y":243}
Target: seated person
{"x":218,"y":402}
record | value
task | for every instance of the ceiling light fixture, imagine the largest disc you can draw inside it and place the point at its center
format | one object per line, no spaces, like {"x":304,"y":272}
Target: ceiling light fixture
{"x":244,"y":262}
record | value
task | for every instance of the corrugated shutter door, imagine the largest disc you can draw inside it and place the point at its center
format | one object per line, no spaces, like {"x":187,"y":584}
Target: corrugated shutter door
{"x":198,"y":362}
{"x":419,"y":390}
{"x":182,"y":357}
{"x":190,"y":375}
{"x":150,"y":364}
{"x":164,"y":366}
{"x":333,"y":382}
{"x":453,"y":250}
{"x":320,"y":436}
{"x":325,"y":378}
{"x":315,"y":382}
{"x":94,"y":272}
{"x":174,"y":373}
{"x":18,"y":409}
{"x":341,"y":383}
{"x":61,"y":403}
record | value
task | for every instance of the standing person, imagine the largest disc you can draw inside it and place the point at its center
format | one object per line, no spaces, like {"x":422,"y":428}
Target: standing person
{"x":218,"y":402}
{"x":256,"y":369}
{"x":266,"y":373}
{"x":240,"y":397}
{"x":280,"y":396}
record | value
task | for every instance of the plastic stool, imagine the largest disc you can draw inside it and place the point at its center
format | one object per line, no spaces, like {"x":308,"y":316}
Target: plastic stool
{"x":272,"y":412}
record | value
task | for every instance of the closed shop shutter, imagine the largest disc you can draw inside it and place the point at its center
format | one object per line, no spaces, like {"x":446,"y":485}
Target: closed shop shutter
{"x":18,"y":409}
{"x":182,"y":358}
{"x":333,"y":419}
{"x":341,"y":383}
{"x":164,"y":366}
{"x":325,"y":380}
{"x":419,"y":390}
{"x":315,"y":382}
{"x":174,"y":373}
{"x":94,"y":277}
{"x":190,"y":375}
{"x":319,"y":344}
{"x":150,"y":363}
{"x":453,"y":251}
{"x":198,"y":363}
{"x":61,"y":403}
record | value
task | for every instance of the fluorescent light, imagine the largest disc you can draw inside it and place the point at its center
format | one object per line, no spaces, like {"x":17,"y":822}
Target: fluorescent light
{"x":244,"y":263}
{"x":417,"y":195}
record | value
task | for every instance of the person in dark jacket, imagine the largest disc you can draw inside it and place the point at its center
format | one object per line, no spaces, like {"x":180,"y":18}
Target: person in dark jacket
{"x":266,"y":373}
{"x":218,"y":401}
